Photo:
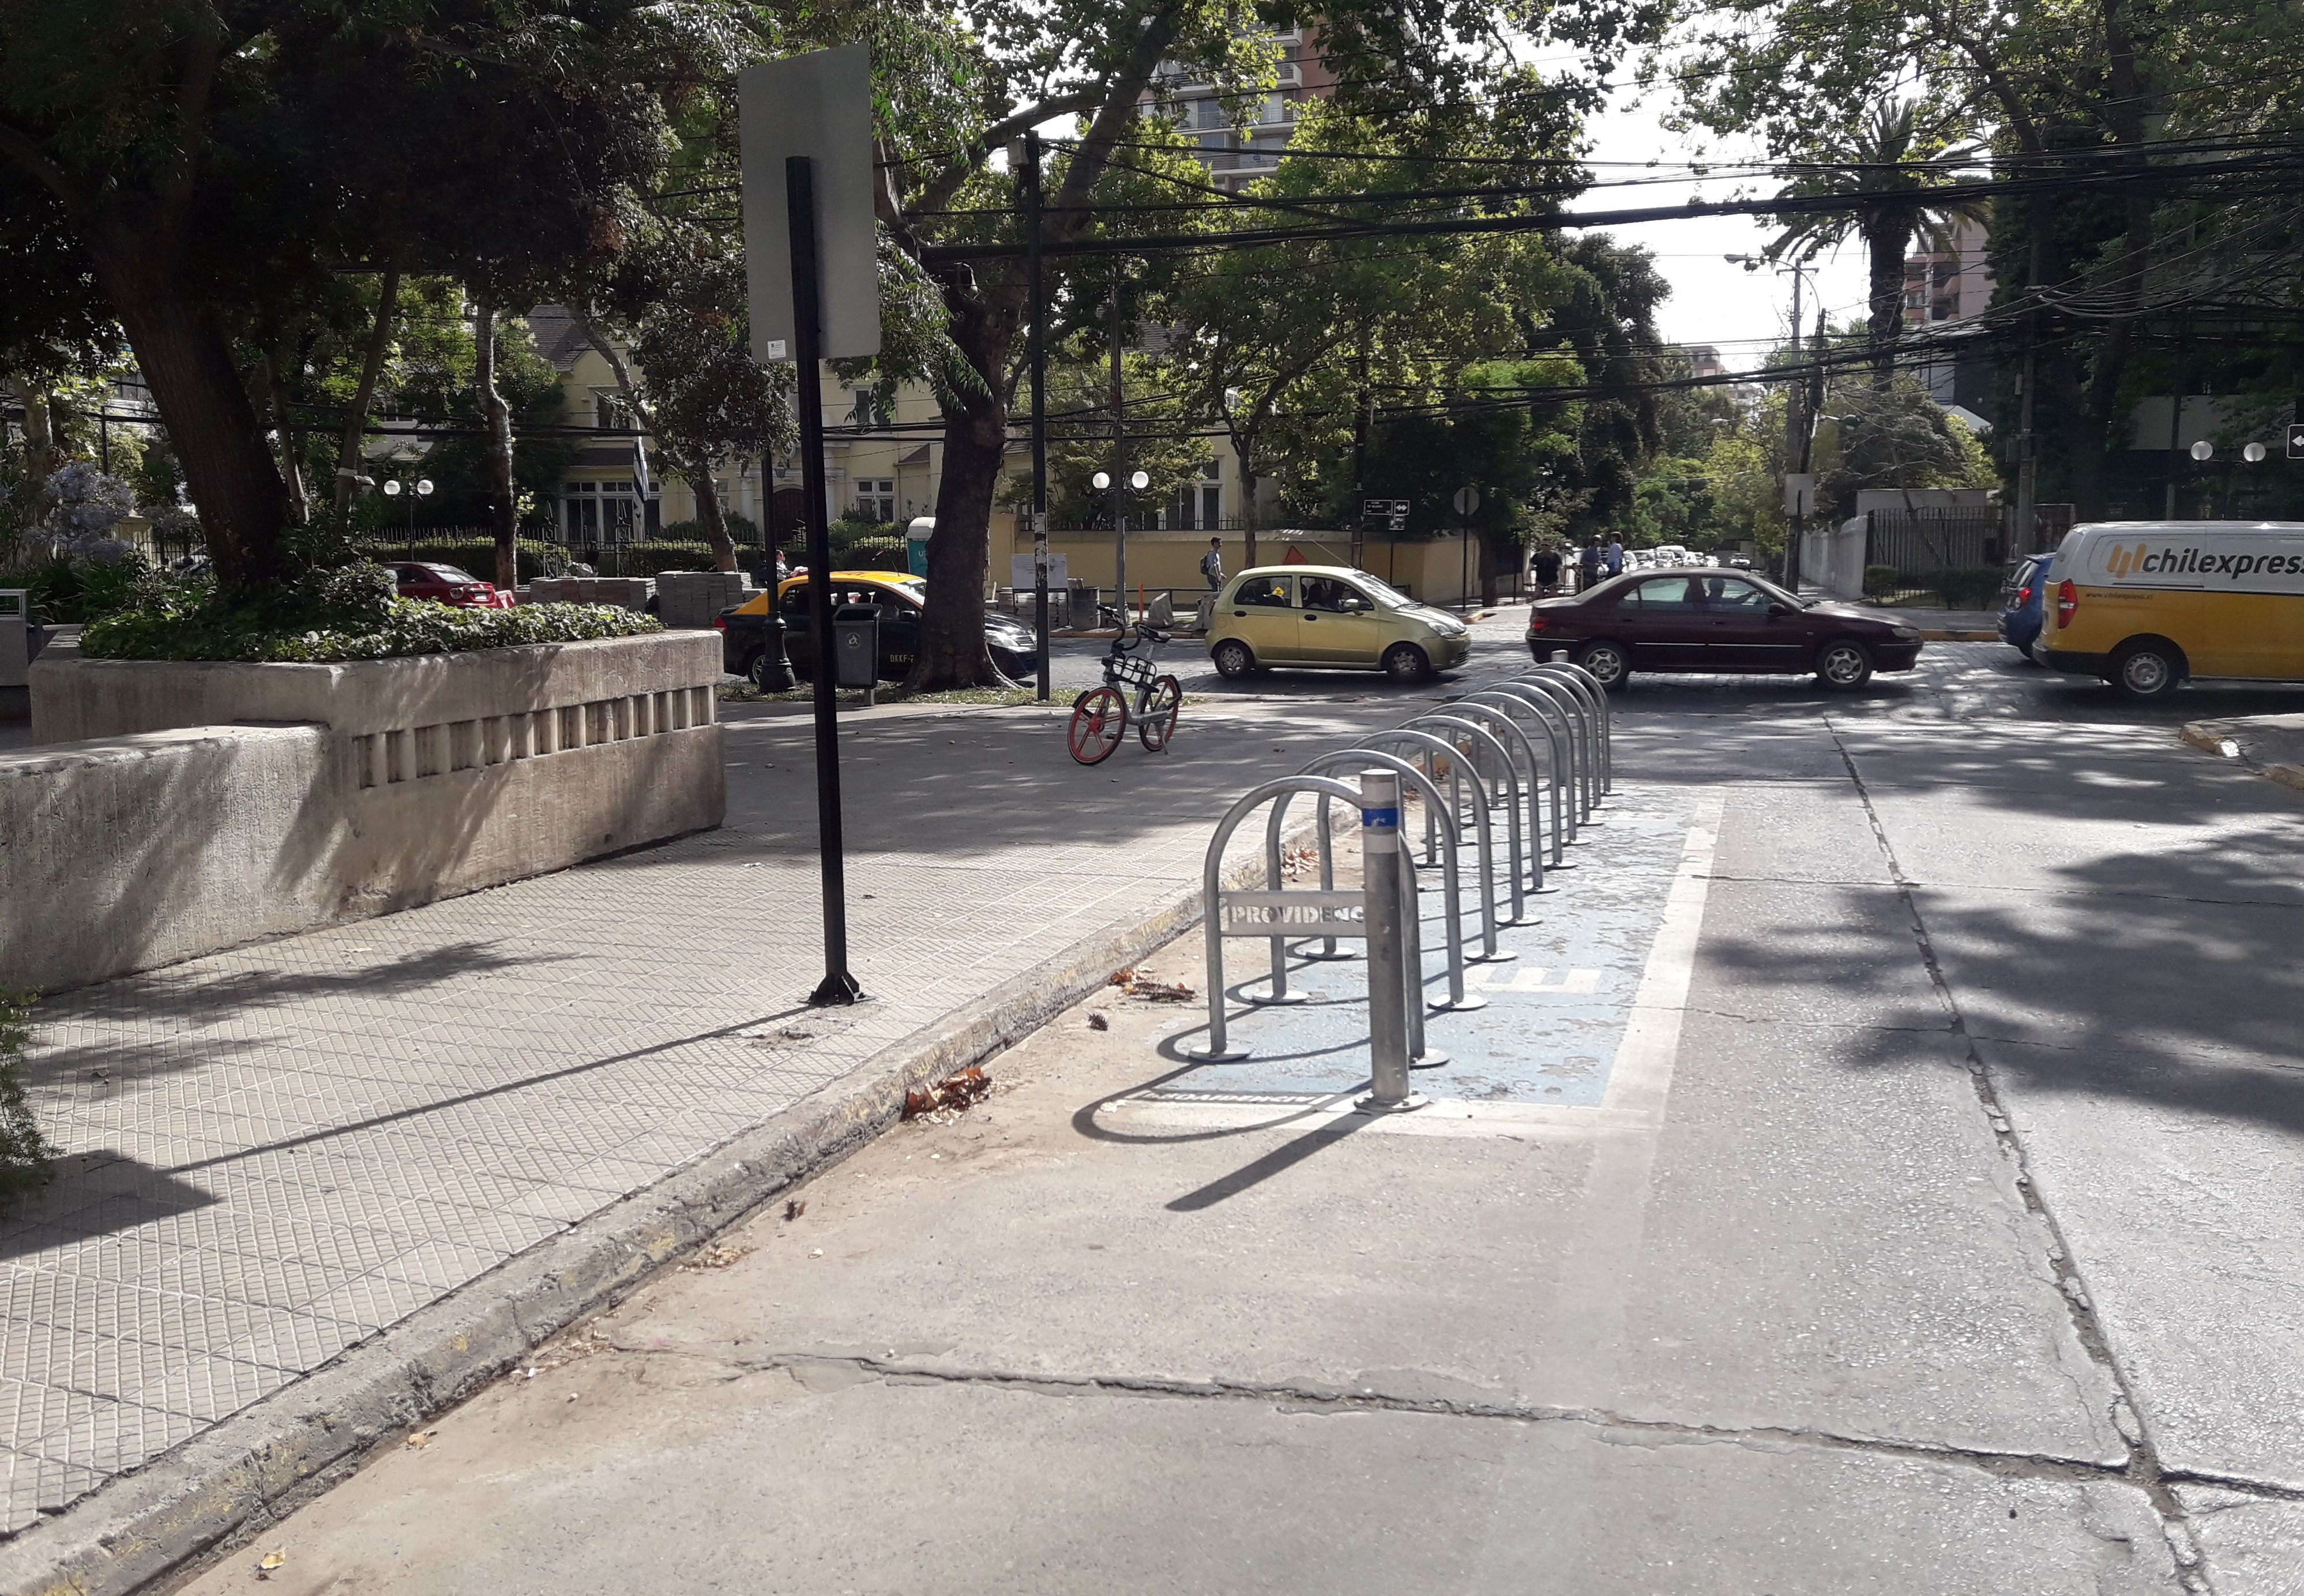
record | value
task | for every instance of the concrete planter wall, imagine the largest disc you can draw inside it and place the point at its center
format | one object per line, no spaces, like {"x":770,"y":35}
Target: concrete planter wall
{"x":161,"y":829}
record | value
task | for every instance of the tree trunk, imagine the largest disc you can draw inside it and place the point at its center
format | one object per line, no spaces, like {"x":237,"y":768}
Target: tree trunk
{"x":292,"y":474}
{"x":952,"y":650}
{"x":40,"y":440}
{"x":350,"y":453}
{"x":185,"y":359}
{"x":504,"y":511}
{"x":715,"y":525}
{"x":1887,"y":245}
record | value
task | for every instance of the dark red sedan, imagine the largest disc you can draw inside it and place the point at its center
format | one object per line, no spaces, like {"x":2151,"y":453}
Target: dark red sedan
{"x":1729,"y":622}
{"x":447,"y":585}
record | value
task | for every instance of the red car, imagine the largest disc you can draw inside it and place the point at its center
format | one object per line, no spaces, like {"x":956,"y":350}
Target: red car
{"x":447,"y":585}
{"x":1709,"y":620}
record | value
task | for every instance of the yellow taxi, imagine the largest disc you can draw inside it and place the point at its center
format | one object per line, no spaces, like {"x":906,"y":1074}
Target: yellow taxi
{"x":1331,"y":618}
{"x":743,"y":630}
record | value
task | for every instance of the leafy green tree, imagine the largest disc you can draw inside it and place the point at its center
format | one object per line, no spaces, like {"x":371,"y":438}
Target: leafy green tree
{"x":209,"y":161}
{"x":1019,"y":66}
{"x":1897,"y":147}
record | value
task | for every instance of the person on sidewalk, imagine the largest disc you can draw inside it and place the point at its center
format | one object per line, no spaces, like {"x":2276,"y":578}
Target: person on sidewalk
{"x":1547,"y":569}
{"x":1212,"y":563}
{"x":1587,"y":567}
{"x":1615,"y":556}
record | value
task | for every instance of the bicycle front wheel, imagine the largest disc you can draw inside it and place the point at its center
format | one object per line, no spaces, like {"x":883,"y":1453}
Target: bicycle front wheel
{"x":1100,"y":721}
{"x":1158,"y":723}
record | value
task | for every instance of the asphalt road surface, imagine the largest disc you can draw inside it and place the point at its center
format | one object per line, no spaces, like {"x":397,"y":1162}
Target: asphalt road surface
{"x":1876,"y":1172}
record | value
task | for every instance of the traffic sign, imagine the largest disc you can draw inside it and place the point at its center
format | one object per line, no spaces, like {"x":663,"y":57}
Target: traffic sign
{"x":1466,"y":500}
{"x":2296,"y":441}
{"x":1390,"y":515}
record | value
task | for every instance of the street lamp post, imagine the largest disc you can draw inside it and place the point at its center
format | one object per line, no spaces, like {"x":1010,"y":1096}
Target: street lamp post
{"x":422,"y":489}
{"x":1139,"y":481}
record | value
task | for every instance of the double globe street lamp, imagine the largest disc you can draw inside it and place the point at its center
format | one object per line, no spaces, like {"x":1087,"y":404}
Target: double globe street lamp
{"x":1139,"y":481}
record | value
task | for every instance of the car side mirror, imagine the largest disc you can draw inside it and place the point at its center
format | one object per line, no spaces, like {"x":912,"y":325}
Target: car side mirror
{"x":1777,"y":606}
{"x":1353,"y":606}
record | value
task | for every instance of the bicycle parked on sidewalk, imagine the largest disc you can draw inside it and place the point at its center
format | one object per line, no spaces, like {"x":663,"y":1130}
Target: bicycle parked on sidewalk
{"x":1100,"y":715}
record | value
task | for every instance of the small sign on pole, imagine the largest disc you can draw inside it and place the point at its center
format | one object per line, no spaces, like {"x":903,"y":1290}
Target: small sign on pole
{"x":818,"y":105}
{"x":1466,"y":500}
{"x":1799,"y":493}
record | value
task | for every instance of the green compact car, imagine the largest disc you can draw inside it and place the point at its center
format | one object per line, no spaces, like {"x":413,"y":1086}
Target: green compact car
{"x":1330,"y":617}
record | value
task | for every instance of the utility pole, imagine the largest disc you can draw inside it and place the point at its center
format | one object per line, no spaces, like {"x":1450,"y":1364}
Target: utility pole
{"x":1118,"y":458}
{"x":1360,"y":460}
{"x":1799,"y":433}
{"x":2175,"y":428}
{"x":1039,"y":361}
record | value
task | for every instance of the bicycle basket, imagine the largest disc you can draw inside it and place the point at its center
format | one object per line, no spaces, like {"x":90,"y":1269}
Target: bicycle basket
{"x":1128,"y":671}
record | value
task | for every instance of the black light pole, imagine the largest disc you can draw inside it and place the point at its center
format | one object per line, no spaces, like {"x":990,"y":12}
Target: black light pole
{"x":838,"y":986}
{"x":1039,"y":361}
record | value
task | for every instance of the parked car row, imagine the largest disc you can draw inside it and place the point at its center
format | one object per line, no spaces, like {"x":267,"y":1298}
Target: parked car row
{"x":899,"y":598}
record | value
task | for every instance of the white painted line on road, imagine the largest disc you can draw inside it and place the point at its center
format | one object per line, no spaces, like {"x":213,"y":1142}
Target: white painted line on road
{"x":1441,"y":1117}
{"x":1641,"y":1078}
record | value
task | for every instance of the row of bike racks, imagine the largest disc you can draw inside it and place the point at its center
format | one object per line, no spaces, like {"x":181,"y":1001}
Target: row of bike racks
{"x":1499,"y":751}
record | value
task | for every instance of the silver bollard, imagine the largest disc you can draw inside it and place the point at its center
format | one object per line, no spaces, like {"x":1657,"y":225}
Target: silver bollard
{"x":1388,"y":979}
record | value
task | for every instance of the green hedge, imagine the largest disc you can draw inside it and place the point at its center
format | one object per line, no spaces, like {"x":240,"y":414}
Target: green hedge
{"x":407,"y":626}
{"x":24,"y":1153}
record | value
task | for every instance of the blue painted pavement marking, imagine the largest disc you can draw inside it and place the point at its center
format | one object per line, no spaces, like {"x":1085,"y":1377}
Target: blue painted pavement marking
{"x":1555,"y":1013}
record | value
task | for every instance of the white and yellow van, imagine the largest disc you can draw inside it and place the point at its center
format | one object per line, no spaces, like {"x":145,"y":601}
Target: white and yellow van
{"x":2145,"y":604}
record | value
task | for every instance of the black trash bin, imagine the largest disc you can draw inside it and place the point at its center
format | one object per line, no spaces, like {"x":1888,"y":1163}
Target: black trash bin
{"x":856,"y":649}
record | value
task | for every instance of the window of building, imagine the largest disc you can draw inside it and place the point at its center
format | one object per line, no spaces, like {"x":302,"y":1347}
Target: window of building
{"x":876,"y":498}
{"x":596,"y":512}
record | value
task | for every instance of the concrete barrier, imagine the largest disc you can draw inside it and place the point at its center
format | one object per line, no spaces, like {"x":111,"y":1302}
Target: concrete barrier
{"x":75,"y":699}
{"x":409,"y":781}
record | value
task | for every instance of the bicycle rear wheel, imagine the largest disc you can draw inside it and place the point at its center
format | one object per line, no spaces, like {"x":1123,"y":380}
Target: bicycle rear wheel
{"x":1157,"y":724}
{"x":1100,"y":721}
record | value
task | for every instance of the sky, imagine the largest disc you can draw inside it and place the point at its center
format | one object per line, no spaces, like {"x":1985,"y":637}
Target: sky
{"x":1738,"y":312}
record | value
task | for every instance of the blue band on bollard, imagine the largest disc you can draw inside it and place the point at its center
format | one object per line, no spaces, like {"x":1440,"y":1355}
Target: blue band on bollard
{"x":1380,"y":819}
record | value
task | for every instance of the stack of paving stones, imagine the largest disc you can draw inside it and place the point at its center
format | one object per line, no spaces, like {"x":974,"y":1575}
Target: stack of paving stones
{"x":631,"y":593}
{"x":692,"y":598}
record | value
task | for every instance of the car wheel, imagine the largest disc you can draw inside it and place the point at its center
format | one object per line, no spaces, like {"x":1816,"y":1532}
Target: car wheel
{"x":1405,"y":662}
{"x":2148,"y":669}
{"x":2026,"y":656}
{"x":1234,"y":658}
{"x":1844,"y":664}
{"x":1606,"y":662}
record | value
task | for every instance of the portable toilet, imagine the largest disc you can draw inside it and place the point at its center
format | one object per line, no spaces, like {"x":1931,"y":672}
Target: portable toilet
{"x":916,"y":544}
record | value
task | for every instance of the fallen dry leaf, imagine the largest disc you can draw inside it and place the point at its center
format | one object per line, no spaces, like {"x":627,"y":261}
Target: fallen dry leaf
{"x":1157,"y":991}
{"x":1097,"y":1022}
{"x":270,"y":1560}
{"x":1121,"y":977}
{"x":718,"y":1255}
{"x":422,"y":1438}
{"x":795,"y":1208}
{"x":949,"y":1097}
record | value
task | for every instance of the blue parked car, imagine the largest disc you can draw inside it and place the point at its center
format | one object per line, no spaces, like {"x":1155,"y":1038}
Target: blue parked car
{"x":2022,"y":603}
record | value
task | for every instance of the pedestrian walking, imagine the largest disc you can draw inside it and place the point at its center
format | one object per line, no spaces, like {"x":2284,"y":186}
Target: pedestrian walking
{"x":1615,"y":556}
{"x":1212,"y":563}
{"x":1587,"y":567}
{"x":1547,"y":569}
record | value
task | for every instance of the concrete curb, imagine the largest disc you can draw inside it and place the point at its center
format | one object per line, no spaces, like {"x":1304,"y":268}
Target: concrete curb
{"x":253,"y":1468}
{"x":2217,"y":737}
{"x":1957,"y":635}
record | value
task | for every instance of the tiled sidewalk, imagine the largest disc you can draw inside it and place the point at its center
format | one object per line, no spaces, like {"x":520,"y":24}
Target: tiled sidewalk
{"x":274,"y":1154}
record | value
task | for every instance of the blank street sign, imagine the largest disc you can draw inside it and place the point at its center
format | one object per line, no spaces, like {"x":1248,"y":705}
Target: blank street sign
{"x":818,"y":105}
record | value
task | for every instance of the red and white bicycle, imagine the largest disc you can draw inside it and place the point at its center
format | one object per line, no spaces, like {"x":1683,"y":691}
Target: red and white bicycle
{"x":1130,"y":690}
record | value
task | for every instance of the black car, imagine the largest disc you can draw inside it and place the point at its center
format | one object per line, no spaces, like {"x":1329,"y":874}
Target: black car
{"x":1729,"y":622}
{"x":743,"y":630}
